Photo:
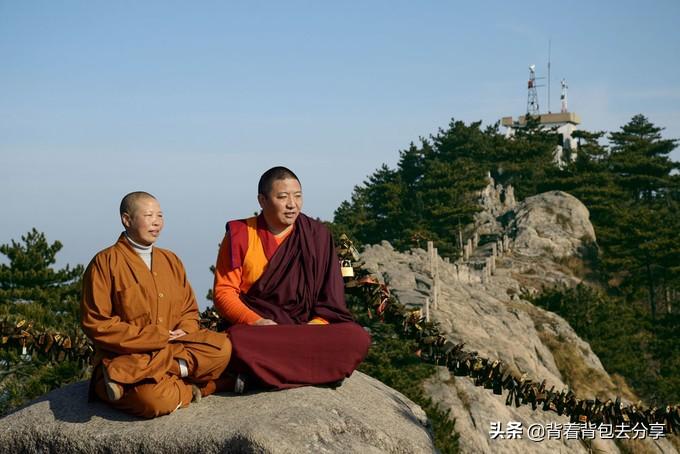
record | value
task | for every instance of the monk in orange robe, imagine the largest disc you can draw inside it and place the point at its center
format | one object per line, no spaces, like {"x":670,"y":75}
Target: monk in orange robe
{"x":278,"y":282}
{"x":140,"y":312}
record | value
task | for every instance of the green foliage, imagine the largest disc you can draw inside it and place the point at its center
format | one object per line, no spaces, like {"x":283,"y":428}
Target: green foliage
{"x":665,"y":349}
{"x":525,"y":160}
{"x":30,"y":266}
{"x":31,"y":289}
{"x":30,"y":379}
{"x":433,"y":191}
{"x":631,"y":188}
{"x":624,"y":337}
{"x":640,"y":158}
{"x":632,"y":197}
{"x":392,"y":359}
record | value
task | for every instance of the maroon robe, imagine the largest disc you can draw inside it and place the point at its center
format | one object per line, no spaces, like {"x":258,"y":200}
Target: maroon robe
{"x":302,"y":281}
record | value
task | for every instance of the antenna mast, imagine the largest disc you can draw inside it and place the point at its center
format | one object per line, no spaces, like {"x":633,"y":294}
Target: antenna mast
{"x":563,"y":96}
{"x":549,"y":51}
{"x":532,"y":100}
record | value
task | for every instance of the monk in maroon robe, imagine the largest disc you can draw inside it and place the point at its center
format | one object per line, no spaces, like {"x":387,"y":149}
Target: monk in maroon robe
{"x":278,"y":282}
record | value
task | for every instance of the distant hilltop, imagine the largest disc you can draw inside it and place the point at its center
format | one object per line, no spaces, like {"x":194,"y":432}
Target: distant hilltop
{"x":564,"y":123}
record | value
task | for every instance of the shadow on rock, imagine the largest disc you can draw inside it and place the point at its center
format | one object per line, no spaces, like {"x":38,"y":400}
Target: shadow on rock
{"x":70,"y":404}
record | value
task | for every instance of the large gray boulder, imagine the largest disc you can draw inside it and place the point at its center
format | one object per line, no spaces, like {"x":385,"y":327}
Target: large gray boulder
{"x":554,"y":223}
{"x":363,"y":415}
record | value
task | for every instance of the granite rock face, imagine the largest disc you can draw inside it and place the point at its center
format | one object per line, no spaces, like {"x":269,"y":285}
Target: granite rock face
{"x":363,"y":415}
{"x":492,"y":320}
{"x":488,"y":313}
{"x":554,"y":223}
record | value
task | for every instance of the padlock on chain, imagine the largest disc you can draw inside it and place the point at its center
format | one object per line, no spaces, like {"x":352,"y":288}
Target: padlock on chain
{"x":346,"y":268}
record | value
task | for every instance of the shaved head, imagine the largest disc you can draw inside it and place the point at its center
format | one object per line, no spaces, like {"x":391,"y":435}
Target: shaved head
{"x":142,"y":217}
{"x":264,"y":186}
{"x":129,"y":202}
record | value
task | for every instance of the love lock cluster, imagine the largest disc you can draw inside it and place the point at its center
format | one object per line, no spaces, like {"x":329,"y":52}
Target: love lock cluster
{"x":434,"y":348}
{"x":524,"y":391}
{"x":23,"y":338}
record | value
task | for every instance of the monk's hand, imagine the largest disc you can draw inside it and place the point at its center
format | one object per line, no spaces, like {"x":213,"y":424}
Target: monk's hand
{"x":264,"y":322}
{"x":176,"y":334}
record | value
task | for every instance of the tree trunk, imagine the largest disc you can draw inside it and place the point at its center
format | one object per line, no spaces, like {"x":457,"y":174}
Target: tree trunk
{"x":652,"y":295}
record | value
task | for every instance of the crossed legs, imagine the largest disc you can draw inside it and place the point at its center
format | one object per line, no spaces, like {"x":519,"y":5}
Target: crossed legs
{"x":166,"y":390}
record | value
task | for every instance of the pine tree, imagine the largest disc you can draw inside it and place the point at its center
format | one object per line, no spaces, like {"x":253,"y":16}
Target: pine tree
{"x":412,"y":167}
{"x":640,"y":158}
{"x":36,"y":294}
{"x":631,"y":195}
{"x":31,"y":287}
{"x":589,"y":179}
{"x":430,"y":193}
{"x":641,"y":247}
{"x":525,"y":159}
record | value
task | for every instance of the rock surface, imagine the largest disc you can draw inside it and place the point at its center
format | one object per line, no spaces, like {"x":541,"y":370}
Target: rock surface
{"x":363,"y":415}
{"x":495,"y":200}
{"x":554,"y":223}
{"x":491,"y":318}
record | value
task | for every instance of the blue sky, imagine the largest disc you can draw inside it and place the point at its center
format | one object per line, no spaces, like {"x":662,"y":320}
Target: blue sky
{"x":192,"y":101}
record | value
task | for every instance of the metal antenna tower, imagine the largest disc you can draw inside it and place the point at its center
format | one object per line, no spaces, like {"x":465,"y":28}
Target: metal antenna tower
{"x":563,"y":96}
{"x":549,"y":49}
{"x":532,"y":100}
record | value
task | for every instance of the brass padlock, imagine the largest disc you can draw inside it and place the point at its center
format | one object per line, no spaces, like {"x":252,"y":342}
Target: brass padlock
{"x":346,"y":268}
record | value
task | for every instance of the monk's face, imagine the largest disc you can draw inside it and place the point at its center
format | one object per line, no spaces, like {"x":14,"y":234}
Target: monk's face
{"x":282,"y":205}
{"x":145,"y":223}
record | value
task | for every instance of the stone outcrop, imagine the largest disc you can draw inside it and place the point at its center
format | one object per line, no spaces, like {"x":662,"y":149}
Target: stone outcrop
{"x":489,"y":315}
{"x":545,"y":239}
{"x":553,"y":224}
{"x":495,"y":200}
{"x":363,"y":415}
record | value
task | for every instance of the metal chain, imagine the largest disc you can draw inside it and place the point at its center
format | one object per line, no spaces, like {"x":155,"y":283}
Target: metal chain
{"x":495,"y":375}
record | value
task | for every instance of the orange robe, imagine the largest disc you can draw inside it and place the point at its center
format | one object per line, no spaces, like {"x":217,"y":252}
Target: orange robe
{"x":230,"y":283}
{"x":128,"y":311}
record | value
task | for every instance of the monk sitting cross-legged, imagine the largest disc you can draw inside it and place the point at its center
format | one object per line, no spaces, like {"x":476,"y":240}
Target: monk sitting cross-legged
{"x":278,"y":282}
{"x":138,"y":308}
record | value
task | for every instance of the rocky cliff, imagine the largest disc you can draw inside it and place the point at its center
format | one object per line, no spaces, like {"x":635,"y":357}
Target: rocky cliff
{"x":515,"y":248}
{"x":362,"y":415}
